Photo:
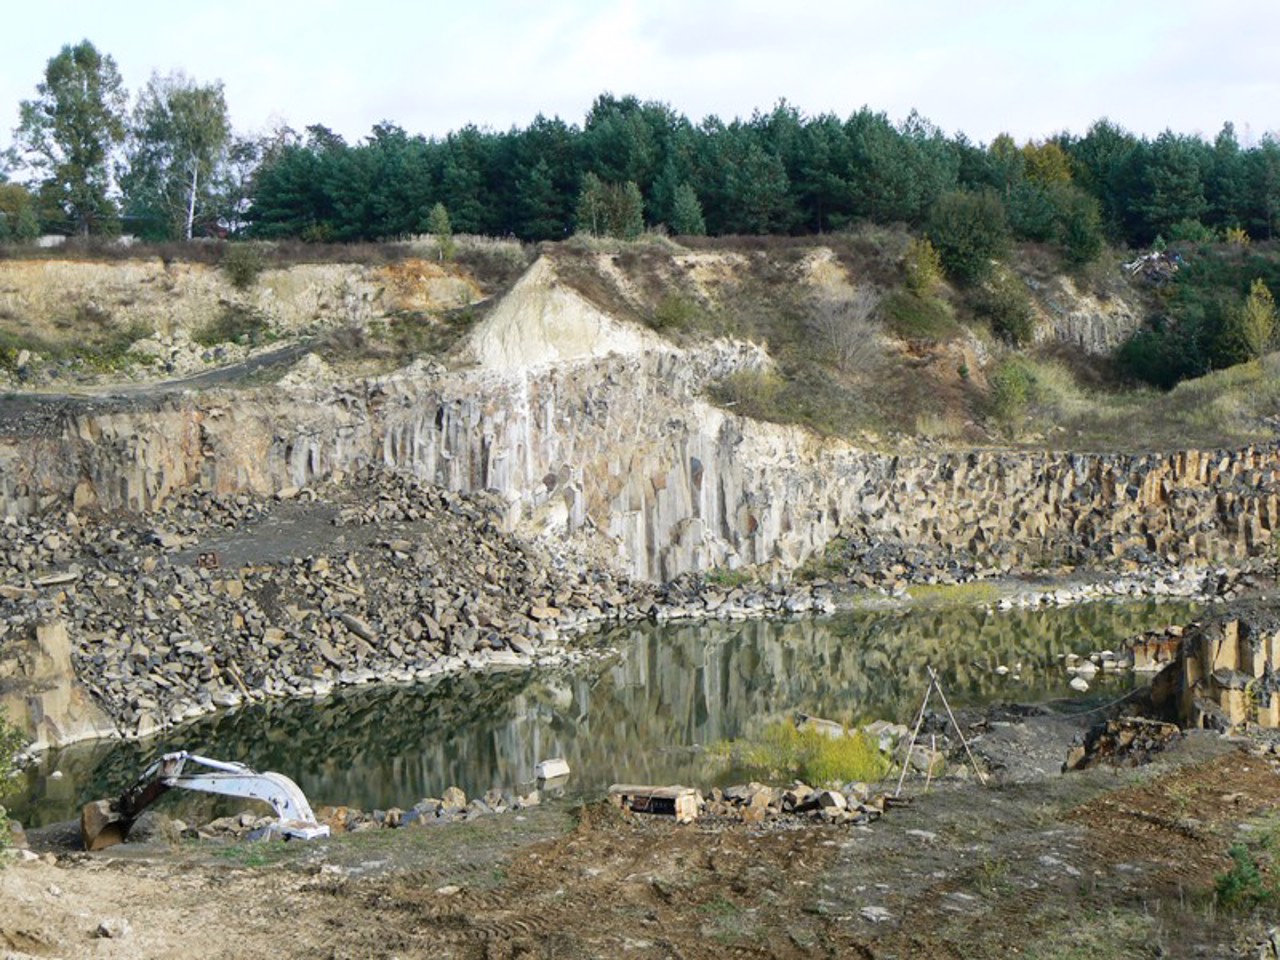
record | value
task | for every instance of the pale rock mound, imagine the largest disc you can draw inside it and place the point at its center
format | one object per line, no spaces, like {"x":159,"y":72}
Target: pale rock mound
{"x":543,"y":321}
{"x":310,"y":371}
{"x":824,"y":273}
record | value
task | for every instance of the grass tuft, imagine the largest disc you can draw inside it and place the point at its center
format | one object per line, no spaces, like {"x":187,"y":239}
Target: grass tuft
{"x":784,"y":751}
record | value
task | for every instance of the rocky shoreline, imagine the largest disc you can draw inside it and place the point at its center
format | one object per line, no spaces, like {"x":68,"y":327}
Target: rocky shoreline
{"x":379,"y":577}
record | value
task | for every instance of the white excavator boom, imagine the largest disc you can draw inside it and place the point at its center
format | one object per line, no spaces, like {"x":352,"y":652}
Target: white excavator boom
{"x":107,"y":822}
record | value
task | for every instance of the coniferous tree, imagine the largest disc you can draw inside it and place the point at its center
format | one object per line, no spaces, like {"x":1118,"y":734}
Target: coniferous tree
{"x":538,"y":204}
{"x":1174,"y":185}
{"x":626,"y":214}
{"x":686,"y":214}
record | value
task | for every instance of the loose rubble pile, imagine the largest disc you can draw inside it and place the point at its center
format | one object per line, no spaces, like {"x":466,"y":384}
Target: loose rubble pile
{"x":894,"y":567}
{"x":1125,"y":741}
{"x":853,"y":804}
{"x":400,"y":582}
{"x":452,"y":807}
{"x":179,"y":354}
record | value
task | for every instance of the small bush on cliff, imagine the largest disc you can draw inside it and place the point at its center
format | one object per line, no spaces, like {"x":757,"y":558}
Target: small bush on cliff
{"x":1012,"y":389}
{"x":914,"y":317}
{"x":754,"y":392}
{"x":675,"y":312}
{"x":233,"y":325}
{"x":242,"y":263}
{"x":922,"y":268}
{"x":729,"y":579}
{"x":1005,"y":302}
{"x":832,"y":562}
{"x":1243,"y":886}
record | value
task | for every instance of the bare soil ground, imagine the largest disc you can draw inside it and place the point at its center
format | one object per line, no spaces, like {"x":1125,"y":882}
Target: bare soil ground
{"x":1103,"y":863}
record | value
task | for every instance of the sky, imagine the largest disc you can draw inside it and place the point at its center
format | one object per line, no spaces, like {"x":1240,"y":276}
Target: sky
{"x":980,"y":67}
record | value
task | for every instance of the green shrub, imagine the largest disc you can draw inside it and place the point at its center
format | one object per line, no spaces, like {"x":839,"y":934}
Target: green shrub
{"x":727,"y":579}
{"x":1191,"y":232}
{"x":954,"y":594}
{"x":912,"y":316}
{"x":922,"y":267}
{"x":111,"y":352}
{"x":10,"y":742}
{"x":828,"y":564}
{"x":322,"y":232}
{"x":235,"y":324}
{"x":969,"y":230}
{"x":1080,"y":227}
{"x":1005,"y":302}
{"x":675,"y":312}
{"x":785,"y":752}
{"x":1012,"y":387}
{"x":753,"y":392}
{"x":242,"y":263}
{"x":1164,"y":355}
{"x":1242,"y":886}
{"x":1247,"y":329}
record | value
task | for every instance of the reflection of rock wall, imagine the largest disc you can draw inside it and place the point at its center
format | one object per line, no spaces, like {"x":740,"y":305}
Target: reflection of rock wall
{"x":645,"y":716}
{"x":1230,"y":674}
{"x":623,"y":448}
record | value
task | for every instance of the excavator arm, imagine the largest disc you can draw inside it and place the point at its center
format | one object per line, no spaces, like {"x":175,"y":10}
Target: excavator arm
{"x":104,"y":823}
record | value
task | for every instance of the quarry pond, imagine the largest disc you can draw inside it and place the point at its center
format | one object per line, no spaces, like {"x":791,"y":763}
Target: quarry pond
{"x":649,"y":708}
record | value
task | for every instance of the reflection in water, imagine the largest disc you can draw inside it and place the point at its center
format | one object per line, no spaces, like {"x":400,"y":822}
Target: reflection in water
{"x":639,"y":717}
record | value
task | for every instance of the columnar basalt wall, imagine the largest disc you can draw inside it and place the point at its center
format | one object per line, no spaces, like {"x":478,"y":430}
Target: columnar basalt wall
{"x":1229,"y":673}
{"x":622,"y":450}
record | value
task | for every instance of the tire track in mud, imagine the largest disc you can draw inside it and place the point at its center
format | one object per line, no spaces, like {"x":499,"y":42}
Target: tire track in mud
{"x":646,"y":887}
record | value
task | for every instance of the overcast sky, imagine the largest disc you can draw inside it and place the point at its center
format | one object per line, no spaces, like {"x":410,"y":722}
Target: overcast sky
{"x":983,"y":67}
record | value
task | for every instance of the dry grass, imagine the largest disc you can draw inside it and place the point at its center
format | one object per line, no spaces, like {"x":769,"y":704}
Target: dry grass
{"x":1224,"y":408}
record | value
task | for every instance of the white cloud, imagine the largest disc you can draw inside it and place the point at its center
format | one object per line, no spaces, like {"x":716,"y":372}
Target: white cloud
{"x":981,"y":67}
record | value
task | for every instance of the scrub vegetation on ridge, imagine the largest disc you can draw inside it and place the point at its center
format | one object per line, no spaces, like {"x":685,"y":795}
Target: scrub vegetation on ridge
{"x":951,"y":250}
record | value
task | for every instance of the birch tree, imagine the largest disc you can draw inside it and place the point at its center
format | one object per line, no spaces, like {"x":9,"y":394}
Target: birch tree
{"x":178,"y":141}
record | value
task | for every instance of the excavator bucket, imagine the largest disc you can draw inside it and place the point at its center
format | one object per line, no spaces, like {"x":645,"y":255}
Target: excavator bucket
{"x":102,"y":826}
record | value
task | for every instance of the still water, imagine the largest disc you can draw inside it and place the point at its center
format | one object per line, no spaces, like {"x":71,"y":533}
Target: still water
{"x":643,"y":715}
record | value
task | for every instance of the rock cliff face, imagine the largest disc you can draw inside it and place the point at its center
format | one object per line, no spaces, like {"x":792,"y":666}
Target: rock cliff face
{"x":1067,"y":314}
{"x":39,"y":691}
{"x":602,"y":435}
{"x":1223,"y":674}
